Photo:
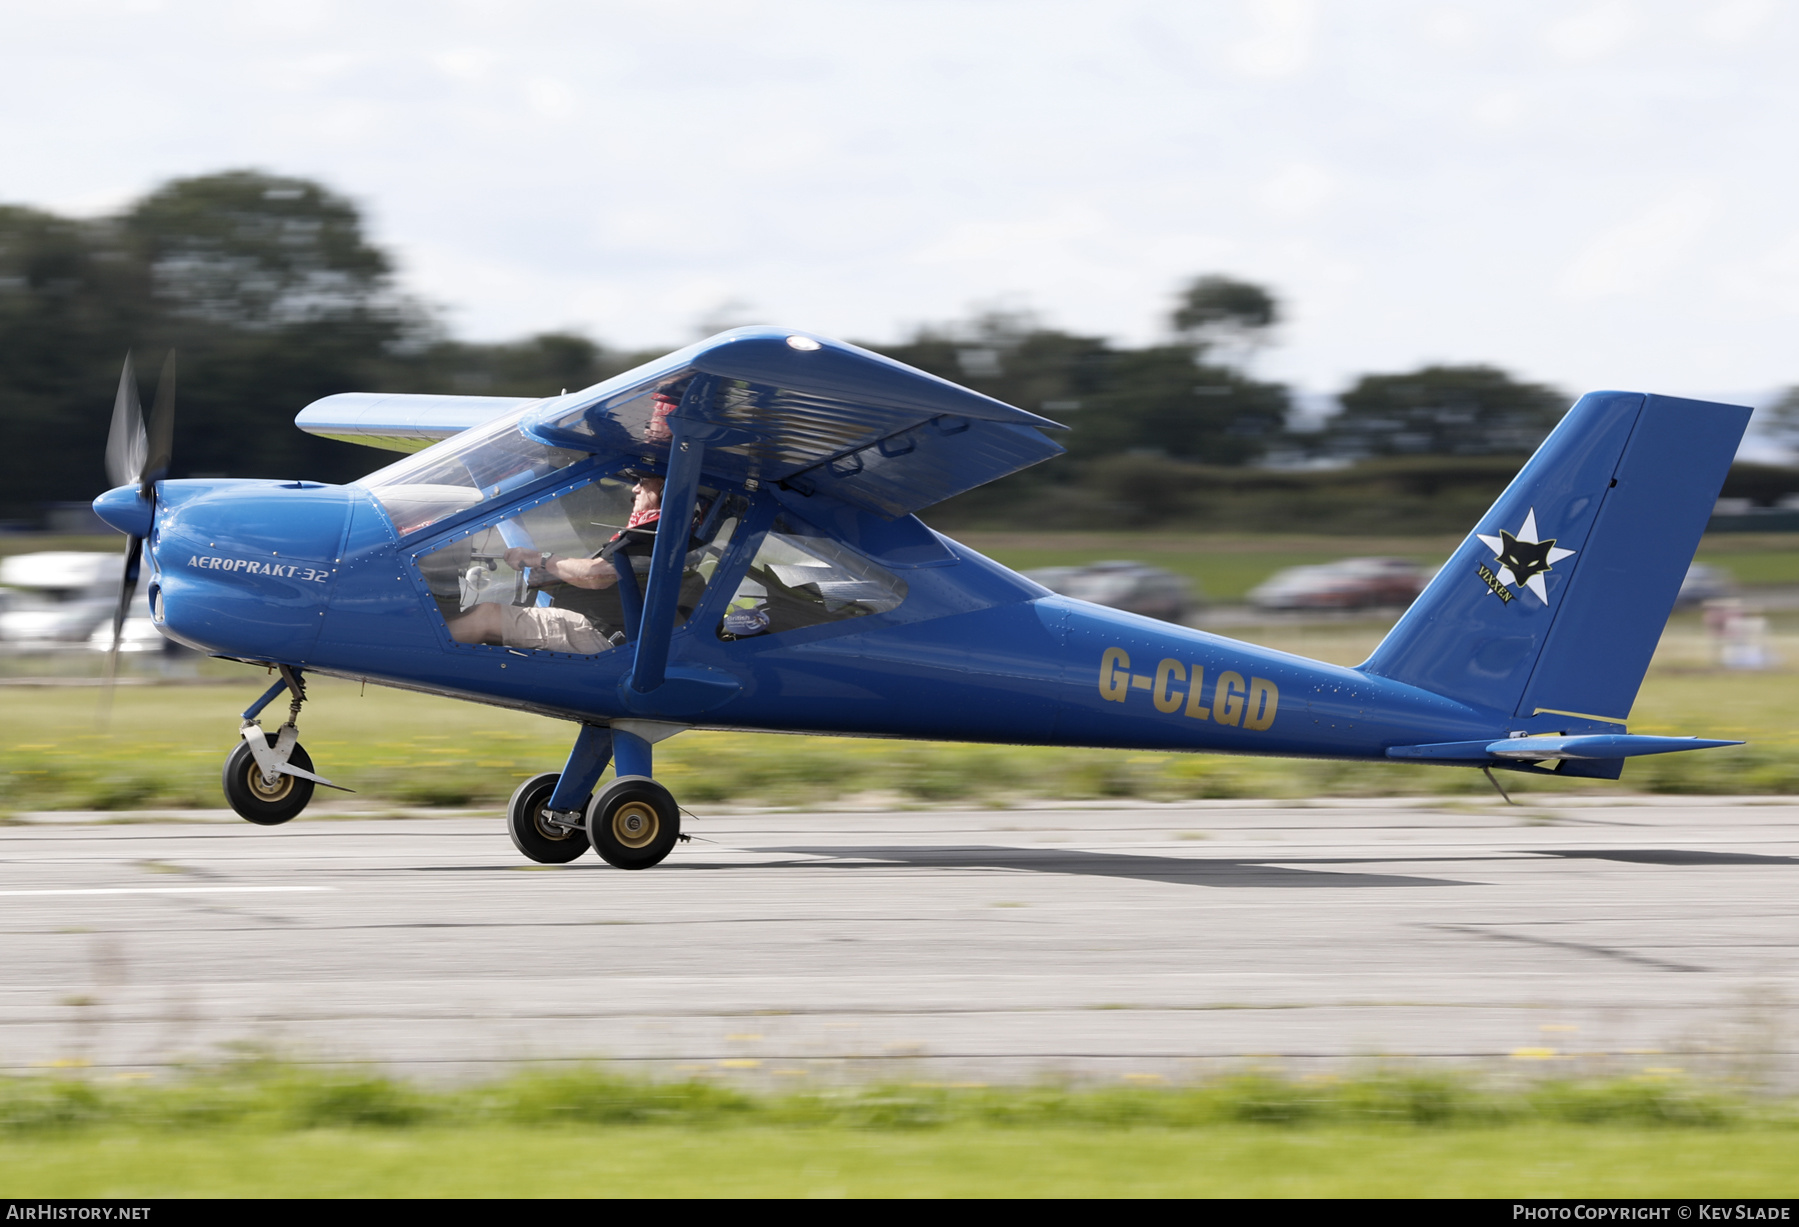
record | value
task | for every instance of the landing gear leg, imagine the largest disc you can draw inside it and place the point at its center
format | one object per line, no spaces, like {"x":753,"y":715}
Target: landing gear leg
{"x":634,"y":823}
{"x":547,"y":814}
{"x":268,"y":777}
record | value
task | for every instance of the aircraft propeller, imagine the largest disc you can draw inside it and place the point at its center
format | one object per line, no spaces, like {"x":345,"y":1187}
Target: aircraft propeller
{"x":134,"y":454}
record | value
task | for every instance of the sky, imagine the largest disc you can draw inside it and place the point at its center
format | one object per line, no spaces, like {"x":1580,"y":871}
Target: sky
{"x":1594,"y":195}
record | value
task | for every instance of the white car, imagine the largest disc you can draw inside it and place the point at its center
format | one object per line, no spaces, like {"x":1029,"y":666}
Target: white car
{"x":59,"y":596}
{"x":139,"y":634}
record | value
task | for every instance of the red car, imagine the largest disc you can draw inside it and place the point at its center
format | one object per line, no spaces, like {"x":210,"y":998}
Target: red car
{"x":1350,"y":583}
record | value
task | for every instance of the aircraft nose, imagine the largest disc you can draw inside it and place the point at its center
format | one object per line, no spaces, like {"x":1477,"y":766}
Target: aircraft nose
{"x":125,"y":509}
{"x":246,"y":568}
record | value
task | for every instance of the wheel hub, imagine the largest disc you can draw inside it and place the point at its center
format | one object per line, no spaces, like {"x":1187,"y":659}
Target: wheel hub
{"x":548,"y":827}
{"x":265,"y":791}
{"x":635,"y":824}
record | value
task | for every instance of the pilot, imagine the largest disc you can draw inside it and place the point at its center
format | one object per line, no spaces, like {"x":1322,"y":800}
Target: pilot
{"x":565,"y":630}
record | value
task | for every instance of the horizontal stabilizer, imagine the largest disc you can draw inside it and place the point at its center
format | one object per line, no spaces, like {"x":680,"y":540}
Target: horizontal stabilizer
{"x":1584,"y":746}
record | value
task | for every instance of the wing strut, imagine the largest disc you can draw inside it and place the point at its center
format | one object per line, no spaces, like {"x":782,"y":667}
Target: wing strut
{"x":680,"y":491}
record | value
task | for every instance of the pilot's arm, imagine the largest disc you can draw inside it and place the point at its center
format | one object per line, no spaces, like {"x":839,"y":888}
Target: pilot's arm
{"x":580,"y":572}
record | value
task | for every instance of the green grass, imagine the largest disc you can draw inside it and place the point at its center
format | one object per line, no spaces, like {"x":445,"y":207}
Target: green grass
{"x":960,"y":1161}
{"x":1754,"y":559}
{"x":259,"y":1128}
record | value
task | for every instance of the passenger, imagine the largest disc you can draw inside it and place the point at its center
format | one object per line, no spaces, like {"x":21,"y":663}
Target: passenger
{"x":564,"y":630}
{"x":656,"y":430}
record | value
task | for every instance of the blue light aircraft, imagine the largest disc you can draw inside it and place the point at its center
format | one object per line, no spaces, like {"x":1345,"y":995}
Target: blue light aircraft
{"x":786,"y":585}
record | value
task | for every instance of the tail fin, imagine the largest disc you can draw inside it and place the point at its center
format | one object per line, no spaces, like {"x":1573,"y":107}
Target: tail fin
{"x":1552,"y":607}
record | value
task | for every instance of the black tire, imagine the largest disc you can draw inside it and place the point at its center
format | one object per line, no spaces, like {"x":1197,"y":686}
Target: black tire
{"x":634,"y":823}
{"x":256,"y":802}
{"x":531,"y":835}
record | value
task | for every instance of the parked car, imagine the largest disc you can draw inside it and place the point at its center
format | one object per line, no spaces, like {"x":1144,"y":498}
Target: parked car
{"x":1350,"y":583}
{"x":1130,"y":586}
{"x":139,"y":634}
{"x":58,"y":596}
{"x":1702,"y":583}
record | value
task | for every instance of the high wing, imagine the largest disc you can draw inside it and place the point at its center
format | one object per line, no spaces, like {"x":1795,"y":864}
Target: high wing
{"x":811,"y":414}
{"x":400,"y":423}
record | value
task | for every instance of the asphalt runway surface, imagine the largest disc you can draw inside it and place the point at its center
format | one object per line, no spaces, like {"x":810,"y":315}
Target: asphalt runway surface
{"x":1119,"y":940}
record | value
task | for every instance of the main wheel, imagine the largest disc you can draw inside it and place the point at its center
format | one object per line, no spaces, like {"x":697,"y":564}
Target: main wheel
{"x":634,"y":822}
{"x":267,"y":805}
{"x":532,"y":834}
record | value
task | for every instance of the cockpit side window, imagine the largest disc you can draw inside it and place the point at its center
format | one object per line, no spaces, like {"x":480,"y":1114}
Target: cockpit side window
{"x":544,"y":577}
{"x":800,"y":578}
{"x":481,"y":464}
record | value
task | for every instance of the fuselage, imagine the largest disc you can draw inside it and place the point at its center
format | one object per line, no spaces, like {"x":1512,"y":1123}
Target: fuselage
{"x":317,"y":576}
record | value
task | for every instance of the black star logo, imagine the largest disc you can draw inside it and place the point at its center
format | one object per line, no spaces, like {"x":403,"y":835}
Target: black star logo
{"x":1524,"y":558}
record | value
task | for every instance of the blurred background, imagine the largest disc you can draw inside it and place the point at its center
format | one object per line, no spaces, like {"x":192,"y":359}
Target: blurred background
{"x":1306,"y":283}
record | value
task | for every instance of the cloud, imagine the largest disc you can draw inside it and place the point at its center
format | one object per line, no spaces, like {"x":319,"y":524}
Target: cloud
{"x":1770,"y":279}
{"x":1299,"y":189}
{"x":1637,"y":253}
{"x":1594,"y":34}
{"x":1735,"y":20}
{"x":550,"y":98}
{"x":469,"y":65}
{"x":1282,"y":43}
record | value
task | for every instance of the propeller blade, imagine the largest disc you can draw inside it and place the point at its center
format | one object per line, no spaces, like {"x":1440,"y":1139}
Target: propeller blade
{"x":126,"y":443}
{"x":162,"y":429}
{"x":134,"y":554}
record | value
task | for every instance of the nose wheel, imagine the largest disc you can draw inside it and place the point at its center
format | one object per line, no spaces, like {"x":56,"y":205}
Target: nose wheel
{"x":633,"y":823}
{"x":268,"y":776}
{"x":254,"y":797}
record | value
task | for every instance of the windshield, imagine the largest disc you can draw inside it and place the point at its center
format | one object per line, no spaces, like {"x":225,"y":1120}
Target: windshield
{"x":482,"y":463}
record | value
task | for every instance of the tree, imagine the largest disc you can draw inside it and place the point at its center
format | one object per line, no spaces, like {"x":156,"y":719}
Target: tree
{"x":274,"y":297}
{"x":542,"y":365}
{"x":1159,"y":401}
{"x":1780,"y":421}
{"x":1226,"y":319}
{"x":1444,"y":411}
{"x":70,"y":302}
{"x":254,"y":252}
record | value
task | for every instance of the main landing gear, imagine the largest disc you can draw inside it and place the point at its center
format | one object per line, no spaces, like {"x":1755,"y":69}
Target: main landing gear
{"x":268,"y":776}
{"x":633,"y":823}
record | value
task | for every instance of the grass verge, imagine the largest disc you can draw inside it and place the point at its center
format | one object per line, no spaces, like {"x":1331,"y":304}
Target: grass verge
{"x":264,"y":1128}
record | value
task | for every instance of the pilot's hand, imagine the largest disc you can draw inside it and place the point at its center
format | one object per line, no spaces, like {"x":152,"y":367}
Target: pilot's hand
{"x":518,"y":558}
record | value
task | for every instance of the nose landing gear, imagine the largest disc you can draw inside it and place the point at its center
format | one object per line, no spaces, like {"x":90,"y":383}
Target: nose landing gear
{"x":268,"y":777}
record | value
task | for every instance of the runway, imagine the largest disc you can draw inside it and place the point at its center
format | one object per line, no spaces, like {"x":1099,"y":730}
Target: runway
{"x":1114,"y":940}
